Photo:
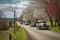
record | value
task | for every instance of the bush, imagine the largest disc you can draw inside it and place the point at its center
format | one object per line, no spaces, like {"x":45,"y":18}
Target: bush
{"x":3,"y":24}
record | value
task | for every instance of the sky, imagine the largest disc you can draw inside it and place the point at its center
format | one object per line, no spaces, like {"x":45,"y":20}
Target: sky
{"x":11,"y":1}
{"x":9,"y":5}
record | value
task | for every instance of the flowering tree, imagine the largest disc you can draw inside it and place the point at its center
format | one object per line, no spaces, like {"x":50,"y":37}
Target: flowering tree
{"x":53,"y":10}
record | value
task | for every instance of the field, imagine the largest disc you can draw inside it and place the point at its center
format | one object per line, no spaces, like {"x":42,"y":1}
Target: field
{"x":19,"y":35}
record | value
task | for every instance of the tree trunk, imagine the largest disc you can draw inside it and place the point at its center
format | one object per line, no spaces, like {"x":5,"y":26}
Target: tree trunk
{"x":55,"y":22}
{"x":51,"y":20}
{"x":58,"y":22}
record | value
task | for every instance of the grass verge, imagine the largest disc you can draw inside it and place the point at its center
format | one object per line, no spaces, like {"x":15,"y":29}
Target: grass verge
{"x":53,"y":28}
{"x":57,"y":29}
{"x":20,"y":35}
{"x":4,"y":35}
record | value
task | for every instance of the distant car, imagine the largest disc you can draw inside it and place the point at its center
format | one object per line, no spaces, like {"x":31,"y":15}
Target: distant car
{"x":21,"y":22}
{"x":26,"y":23}
{"x":42,"y":25}
{"x":32,"y":24}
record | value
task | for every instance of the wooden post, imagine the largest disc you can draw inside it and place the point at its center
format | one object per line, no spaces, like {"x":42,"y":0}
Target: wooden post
{"x":10,"y":37}
{"x":14,"y":22}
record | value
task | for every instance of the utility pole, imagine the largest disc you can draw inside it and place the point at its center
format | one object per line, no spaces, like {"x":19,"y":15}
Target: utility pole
{"x":14,"y":22}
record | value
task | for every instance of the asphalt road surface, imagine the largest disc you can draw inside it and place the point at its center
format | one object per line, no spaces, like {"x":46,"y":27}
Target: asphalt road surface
{"x":41,"y":34}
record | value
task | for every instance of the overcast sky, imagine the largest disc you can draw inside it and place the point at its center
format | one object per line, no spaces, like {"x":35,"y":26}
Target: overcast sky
{"x":21,"y":4}
{"x":11,"y":1}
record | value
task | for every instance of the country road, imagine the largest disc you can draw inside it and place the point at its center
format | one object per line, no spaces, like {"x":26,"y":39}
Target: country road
{"x":41,"y":34}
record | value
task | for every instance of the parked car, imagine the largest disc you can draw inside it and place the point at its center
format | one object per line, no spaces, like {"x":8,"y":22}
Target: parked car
{"x":32,"y":24}
{"x":26,"y":23}
{"x":42,"y":25}
{"x":21,"y":22}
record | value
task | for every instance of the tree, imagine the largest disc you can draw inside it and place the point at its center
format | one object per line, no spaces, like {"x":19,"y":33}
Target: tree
{"x":3,"y":22}
{"x":53,"y":9}
{"x":1,"y":13}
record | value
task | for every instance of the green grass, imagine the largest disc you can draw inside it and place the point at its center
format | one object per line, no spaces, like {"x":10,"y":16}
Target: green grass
{"x":53,"y":28}
{"x":4,"y":35}
{"x":11,"y":31}
{"x":57,"y":29}
{"x":20,"y":35}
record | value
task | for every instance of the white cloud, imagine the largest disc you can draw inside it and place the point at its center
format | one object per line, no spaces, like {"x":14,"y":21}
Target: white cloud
{"x":23,"y":5}
{"x":3,"y":5}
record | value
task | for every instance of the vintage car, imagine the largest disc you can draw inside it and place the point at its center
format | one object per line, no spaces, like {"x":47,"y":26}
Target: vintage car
{"x":42,"y":25}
